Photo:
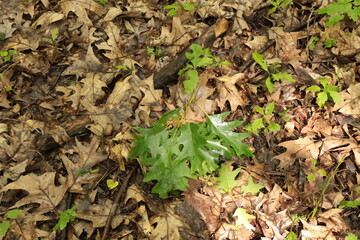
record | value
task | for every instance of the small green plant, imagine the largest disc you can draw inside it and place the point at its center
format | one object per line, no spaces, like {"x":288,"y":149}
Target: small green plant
{"x":176,"y":7}
{"x":265,"y":122}
{"x":291,"y":236}
{"x":66,"y":217}
{"x":198,"y":58}
{"x":338,"y":10}
{"x":352,"y":204}
{"x":7,"y":55}
{"x":157,"y":52}
{"x":315,"y":170}
{"x":5,"y":225}
{"x":330,"y":42}
{"x":325,"y":92}
{"x":277,"y":4}
{"x":125,"y":68}
{"x":351,"y":236}
{"x":314,"y":40}
{"x":175,"y":152}
{"x":103,"y":2}
{"x":273,"y":72}
{"x":54,"y":36}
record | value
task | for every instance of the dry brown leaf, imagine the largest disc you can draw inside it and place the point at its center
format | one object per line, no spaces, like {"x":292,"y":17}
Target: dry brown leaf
{"x":88,"y":155}
{"x":300,"y":148}
{"x":41,"y":189}
{"x":80,"y":7}
{"x":98,"y":214}
{"x":168,"y":224}
{"x":47,"y":18}
{"x":351,"y":100}
{"x":311,"y":231}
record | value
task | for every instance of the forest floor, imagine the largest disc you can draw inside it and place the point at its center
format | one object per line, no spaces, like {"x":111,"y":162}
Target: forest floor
{"x":80,"y":78}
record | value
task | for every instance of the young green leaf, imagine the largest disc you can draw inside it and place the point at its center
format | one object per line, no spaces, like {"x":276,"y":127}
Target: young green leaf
{"x":259,"y":109}
{"x":111,"y":184}
{"x":274,"y":127}
{"x":258,"y":58}
{"x":191,"y":81}
{"x":322,"y":98}
{"x":269,"y":109}
{"x":269,"y":85}
{"x":313,"y":88}
{"x":351,"y":236}
{"x":13,"y":214}
{"x":243,"y":218}
{"x":66,"y":217}
{"x":251,"y":187}
{"x":335,"y":97}
{"x":352,"y":204}
{"x":291,"y":236}
{"x":4,"y":227}
{"x":283,"y":75}
{"x":226,"y":178}
{"x":188,"y":7}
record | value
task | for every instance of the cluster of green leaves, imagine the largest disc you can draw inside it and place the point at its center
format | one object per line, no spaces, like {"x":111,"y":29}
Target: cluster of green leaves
{"x":325,"y":92}
{"x":311,"y":176}
{"x":5,"y":225}
{"x":177,"y":152}
{"x":66,"y":216}
{"x":157,"y":52}
{"x":273,"y":72}
{"x":265,"y":122}
{"x":278,"y":4}
{"x":338,"y":10}
{"x":176,"y":7}
{"x":7,"y":55}
{"x":329,"y":42}
{"x":198,"y":57}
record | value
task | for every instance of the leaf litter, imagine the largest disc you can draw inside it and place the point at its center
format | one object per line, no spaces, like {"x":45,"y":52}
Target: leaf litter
{"x":76,"y":78}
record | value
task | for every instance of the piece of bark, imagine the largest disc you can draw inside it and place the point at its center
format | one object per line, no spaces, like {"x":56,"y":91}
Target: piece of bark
{"x":169,"y":72}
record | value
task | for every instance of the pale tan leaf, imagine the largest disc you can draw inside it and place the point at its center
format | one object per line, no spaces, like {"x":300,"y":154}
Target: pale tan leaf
{"x":300,"y":148}
{"x":41,"y":189}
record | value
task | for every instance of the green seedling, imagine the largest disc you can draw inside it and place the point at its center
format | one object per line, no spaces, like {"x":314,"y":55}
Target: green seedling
{"x":315,"y":170}
{"x":314,"y":40}
{"x":278,"y":4}
{"x":176,"y":7}
{"x":198,"y":57}
{"x":352,"y":204}
{"x":66,"y":217}
{"x":7,"y":55}
{"x":10,"y":215}
{"x":330,"y":42}
{"x":54,"y":36}
{"x":103,"y":2}
{"x":326,"y":92}
{"x":291,"y":236}
{"x":175,"y":152}
{"x":273,"y":72}
{"x":351,"y":236}
{"x":157,"y":52}
{"x":125,"y":68}
{"x":338,"y":10}
{"x":264,"y":122}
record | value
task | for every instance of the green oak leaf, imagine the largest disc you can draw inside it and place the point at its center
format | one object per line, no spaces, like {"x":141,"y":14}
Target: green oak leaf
{"x":251,"y":187}
{"x":226,"y":178}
